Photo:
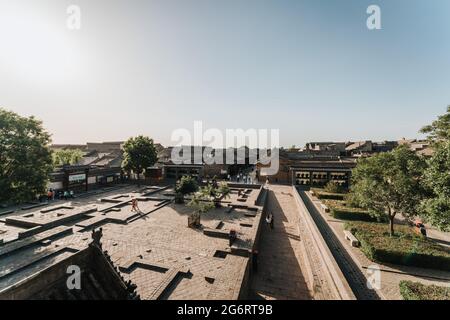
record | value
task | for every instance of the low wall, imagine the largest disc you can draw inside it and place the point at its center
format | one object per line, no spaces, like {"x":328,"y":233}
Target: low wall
{"x":44,"y":279}
{"x":245,"y":288}
{"x":243,"y":185}
{"x":341,"y":287}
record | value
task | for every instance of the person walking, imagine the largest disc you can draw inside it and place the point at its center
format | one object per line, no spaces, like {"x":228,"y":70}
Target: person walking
{"x":269,"y":220}
{"x":134,"y":205}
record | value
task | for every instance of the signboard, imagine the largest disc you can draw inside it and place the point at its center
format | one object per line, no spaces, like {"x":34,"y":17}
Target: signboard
{"x":56,"y":185}
{"x":77,"y":177}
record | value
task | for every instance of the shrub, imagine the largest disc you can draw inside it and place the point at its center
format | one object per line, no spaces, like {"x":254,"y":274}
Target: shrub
{"x":184,"y":186}
{"x":321,"y":194}
{"x":404,"y":248}
{"x":341,"y":210}
{"x":332,"y":187}
{"x":418,"y":291}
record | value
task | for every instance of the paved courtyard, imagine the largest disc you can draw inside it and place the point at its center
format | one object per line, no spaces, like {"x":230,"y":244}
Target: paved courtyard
{"x":153,"y":248}
{"x":163,"y":258}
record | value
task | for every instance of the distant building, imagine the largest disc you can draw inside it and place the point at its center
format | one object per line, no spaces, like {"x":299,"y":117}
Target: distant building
{"x":321,"y":162}
{"x":100,"y":166}
{"x":81,"y":147}
{"x":310,"y":169}
{"x":202,"y":162}
{"x":421,"y":147}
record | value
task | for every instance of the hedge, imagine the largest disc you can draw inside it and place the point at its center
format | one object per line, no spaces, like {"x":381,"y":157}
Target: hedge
{"x":404,"y":248}
{"x":320,"y":194}
{"x":418,"y":291}
{"x":340,"y":210}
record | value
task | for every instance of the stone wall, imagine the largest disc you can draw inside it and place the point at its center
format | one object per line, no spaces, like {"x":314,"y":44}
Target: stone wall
{"x":340,"y":285}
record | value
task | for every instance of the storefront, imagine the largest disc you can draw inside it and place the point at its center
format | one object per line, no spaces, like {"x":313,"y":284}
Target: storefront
{"x":84,"y":178}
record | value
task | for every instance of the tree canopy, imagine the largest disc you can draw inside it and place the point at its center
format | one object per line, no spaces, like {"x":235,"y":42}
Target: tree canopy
{"x":66,"y":156}
{"x":389,"y":183}
{"x":436,"y":208}
{"x":332,"y":187}
{"x":207,"y":198}
{"x":440,"y":129}
{"x":139,"y":154}
{"x":25,"y":157}
{"x":184,"y":186}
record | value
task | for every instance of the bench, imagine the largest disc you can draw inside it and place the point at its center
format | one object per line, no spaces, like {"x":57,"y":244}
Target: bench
{"x":325,"y":208}
{"x":349,"y":236}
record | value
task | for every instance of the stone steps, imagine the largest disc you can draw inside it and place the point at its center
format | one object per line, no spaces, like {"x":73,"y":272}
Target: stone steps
{"x":24,"y":243}
{"x":7,"y":271}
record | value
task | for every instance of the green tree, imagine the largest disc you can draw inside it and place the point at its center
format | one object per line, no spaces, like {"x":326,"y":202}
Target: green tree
{"x":332,"y":187}
{"x":201,"y":203}
{"x":185,"y":186}
{"x":389,"y":184}
{"x":436,"y":208}
{"x":439,"y":130}
{"x":25,"y":157}
{"x":139,"y":154}
{"x":66,"y":156}
{"x":207,"y":198}
{"x":215,"y":192}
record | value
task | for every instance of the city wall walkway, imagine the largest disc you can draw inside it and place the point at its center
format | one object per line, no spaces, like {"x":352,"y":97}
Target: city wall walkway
{"x":289,"y":264}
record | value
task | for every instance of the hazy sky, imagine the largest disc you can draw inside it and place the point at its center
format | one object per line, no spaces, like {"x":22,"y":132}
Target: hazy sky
{"x":309,"y":68}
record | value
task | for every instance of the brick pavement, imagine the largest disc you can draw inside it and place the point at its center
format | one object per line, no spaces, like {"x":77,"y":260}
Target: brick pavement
{"x":158,"y":237}
{"x":288,"y":267}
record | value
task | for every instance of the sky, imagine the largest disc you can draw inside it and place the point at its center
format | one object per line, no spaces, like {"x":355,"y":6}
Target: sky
{"x":310,"y":68}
